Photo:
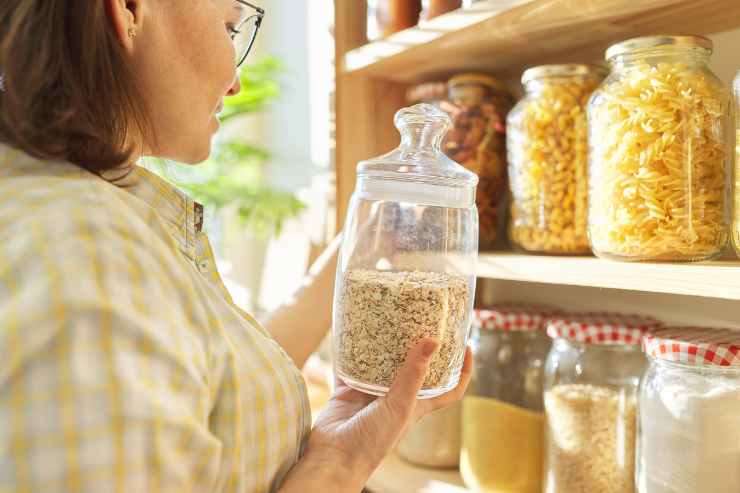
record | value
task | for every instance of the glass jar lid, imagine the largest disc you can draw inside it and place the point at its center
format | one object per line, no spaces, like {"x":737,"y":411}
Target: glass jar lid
{"x":418,"y":171}
{"x":563,"y":70}
{"x":695,"y":345}
{"x":601,"y":328}
{"x":514,"y":317}
{"x":649,"y":42}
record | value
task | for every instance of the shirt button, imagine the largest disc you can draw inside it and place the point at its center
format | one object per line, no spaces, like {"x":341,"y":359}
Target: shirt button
{"x":203,"y":266}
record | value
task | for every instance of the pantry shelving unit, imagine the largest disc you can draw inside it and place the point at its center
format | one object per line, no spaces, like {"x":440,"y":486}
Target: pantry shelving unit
{"x":504,"y":37}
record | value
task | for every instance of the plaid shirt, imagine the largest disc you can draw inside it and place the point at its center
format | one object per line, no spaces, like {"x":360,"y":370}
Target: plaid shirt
{"x":124,"y":364}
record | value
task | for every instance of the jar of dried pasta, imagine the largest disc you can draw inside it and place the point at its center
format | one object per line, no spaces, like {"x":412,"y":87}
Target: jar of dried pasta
{"x":548,"y":159}
{"x":659,"y":153}
{"x":503,"y":418}
{"x":478,"y":105}
{"x":736,"y":191}
{"x":592,"y":377}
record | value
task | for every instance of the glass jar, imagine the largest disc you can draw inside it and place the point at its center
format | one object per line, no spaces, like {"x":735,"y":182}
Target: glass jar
{"x":591,"y":380}
{"x":547,"y":143}
{"x":435,"y":8}
{"x":393,"y":16}
{"x":406,"y":268}
{"x":689,"y":413}
{"x":659,"y":153}
{"x":435,"y":440}
{"x":736,"y":191}
{"x":478,"y":105}
{"x":503,"y":420}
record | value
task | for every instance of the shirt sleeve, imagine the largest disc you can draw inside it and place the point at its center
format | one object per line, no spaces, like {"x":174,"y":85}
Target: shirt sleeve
{"x":103,"y":374}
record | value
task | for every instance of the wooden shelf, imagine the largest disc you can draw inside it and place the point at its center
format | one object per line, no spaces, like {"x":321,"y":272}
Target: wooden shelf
{"x":720,"y":279}
{"x":397,"y":476}
{"x":506,"y":36}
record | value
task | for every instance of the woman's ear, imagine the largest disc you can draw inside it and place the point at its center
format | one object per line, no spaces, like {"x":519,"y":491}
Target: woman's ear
{"x":126,"y":19}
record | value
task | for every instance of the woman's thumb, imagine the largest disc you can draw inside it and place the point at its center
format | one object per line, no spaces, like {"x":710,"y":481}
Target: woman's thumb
{"x":401,"y":397}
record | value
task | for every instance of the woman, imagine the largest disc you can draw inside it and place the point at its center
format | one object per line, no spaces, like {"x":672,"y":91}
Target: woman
{"x":124,"y":364}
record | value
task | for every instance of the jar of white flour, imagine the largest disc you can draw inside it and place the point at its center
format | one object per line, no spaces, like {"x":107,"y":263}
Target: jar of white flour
{"x":689,"y":412}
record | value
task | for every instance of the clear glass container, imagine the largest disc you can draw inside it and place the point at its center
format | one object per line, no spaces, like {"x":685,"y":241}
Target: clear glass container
{"x":406,"y":268}
{"x":435,"y":440}
{"x":660,"y":153}
{"x":736,"y":189}
{"x":689,"y":412}
{"x":591,"y":382}
{"x":478,"y":105}
{"x":547,"y":143}
{"x":503,"y":419}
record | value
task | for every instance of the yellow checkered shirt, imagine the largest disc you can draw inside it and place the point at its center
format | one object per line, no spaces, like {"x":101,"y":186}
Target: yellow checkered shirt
{"x":124,"y":364}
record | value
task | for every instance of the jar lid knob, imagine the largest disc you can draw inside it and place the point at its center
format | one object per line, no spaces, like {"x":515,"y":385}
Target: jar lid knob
{"x":422,"y":126}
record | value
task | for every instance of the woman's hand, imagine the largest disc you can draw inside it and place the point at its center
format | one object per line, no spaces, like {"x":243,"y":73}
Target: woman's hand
{"x":356,"y":431}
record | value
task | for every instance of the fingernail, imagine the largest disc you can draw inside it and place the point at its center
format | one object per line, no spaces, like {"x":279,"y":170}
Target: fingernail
{"x":429,"y":348}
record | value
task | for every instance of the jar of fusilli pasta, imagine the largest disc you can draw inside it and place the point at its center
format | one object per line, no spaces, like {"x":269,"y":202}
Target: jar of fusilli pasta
{"x":548,"y":159}
{"x":659,"y":162}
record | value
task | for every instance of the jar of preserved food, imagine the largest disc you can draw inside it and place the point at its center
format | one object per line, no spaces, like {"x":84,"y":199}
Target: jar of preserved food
{"x":396,"y":15}
{"x":503,"y":420}
{"x":406,"y":268}
{"x":591,"y":381}
{"x":435,"y":8}
{"x":736,"y":191}
{"x":547,"y":143}
{"x":659,"y":153}
{"x":435,"y":440}
{"x":689,"y":424}
{"x":478,"y":105}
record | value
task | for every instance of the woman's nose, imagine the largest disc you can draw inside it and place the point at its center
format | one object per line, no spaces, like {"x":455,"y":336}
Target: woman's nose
{"x":236,"y":87}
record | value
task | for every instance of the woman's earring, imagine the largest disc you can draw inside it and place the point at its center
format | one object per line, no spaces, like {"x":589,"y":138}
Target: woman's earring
{"x":131,"y":32}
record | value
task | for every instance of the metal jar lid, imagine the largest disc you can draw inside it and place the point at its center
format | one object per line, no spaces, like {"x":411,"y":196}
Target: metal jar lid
{"x":564,"y":70}
{"x":648,"y":42}
{"x":480,"y":79}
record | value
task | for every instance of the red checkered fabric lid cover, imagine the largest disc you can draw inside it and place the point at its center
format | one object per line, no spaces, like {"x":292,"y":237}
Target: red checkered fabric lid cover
{"x":515,"y":317}
{"x":695,"y":345}
{"x":601,"y":328}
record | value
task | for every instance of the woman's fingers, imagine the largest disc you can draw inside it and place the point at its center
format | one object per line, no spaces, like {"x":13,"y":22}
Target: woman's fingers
{"x":401,"y":398}
{"x":428,"y":405}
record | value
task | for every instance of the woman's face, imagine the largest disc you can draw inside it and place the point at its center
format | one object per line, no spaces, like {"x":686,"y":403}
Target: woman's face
{"x":186,"y":62}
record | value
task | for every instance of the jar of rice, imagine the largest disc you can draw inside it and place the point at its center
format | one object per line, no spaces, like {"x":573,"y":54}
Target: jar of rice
{"x":592,"y":376}
{"x":659,"y":162}
{"x":548,"y":159}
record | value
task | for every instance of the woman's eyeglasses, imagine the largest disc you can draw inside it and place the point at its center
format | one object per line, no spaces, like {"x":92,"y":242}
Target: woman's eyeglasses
{"x":245,"y":32}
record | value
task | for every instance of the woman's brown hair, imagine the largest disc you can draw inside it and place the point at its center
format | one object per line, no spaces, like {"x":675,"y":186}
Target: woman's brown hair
{"x":69,"y":91}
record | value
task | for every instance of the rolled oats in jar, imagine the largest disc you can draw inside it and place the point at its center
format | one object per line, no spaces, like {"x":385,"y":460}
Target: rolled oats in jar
{"x":548,"y":159}
{"x":592,"y":376}
{"x":478,"y":105}
{"x":659,"y":173}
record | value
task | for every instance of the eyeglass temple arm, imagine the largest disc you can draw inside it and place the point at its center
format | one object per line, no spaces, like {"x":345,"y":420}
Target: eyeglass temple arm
{"x":259,"y":10}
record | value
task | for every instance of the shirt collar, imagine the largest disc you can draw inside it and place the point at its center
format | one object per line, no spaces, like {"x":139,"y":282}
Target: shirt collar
{"x":182,"y":214}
